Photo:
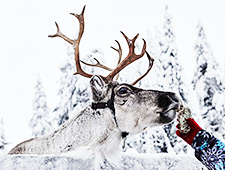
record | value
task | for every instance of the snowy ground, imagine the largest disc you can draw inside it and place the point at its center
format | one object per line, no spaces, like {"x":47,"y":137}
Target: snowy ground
{"x":137,"y":162}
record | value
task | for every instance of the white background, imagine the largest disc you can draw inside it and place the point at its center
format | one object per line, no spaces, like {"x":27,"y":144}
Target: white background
{"x":26,"y":51}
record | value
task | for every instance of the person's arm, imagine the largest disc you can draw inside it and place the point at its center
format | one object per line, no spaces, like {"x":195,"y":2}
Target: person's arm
{"x":208,"y":149}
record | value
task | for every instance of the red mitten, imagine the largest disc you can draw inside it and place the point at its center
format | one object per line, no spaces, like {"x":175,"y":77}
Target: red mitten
{"x":188,"y":137}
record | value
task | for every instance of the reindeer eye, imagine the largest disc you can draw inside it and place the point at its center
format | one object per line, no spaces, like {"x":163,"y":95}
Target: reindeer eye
{"x":123,"y":90}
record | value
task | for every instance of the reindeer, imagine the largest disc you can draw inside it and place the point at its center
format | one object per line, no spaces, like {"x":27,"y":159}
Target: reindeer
{"x":116,"y":110}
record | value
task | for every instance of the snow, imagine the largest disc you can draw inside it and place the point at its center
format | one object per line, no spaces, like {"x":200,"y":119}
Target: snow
{"x":132,"y":161}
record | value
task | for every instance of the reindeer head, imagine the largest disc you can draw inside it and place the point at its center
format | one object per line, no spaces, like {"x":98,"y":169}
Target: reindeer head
{"x":133,"y":108}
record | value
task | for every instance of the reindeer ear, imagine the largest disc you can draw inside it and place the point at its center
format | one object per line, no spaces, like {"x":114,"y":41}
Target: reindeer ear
{"x":97,"y":87}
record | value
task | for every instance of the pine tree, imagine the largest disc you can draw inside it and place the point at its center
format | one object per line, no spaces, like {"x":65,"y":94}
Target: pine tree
{"x":3,"y":142}
{"x":207,"y":83}
{"x":74,"y":92}
{"x":172,"y":70}
{"x":40,"y":123}
{"x":66,"y":91}
{"x":171,"y":76}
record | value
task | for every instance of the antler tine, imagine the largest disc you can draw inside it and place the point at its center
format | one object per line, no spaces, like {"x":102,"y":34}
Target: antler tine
{"x":151,"y":62}
{"x":129,"y":41}
{"x":98,"y":64}
{"x":61,"y":35}
{"x":119,"y":50}
{"x":75,"y":42}
{"x":80,"y":18}
{"x":131,"y":57}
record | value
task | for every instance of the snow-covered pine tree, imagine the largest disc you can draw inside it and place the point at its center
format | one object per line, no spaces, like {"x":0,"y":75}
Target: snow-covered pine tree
{"x":208,"y":85}
{"x":66,"y":91}
{"x":172,"y":72}
{"x":74,"y":92}
{"x":171,"y":76}
{"x":3,"y":142}
{"x":40,"y":123}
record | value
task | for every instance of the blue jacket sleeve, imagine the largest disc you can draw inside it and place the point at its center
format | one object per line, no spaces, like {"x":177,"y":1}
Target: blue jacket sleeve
{"x":209,"y":150}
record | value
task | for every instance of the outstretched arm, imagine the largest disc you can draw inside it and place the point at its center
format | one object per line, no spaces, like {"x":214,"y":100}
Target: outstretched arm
{"x":208,"y":149}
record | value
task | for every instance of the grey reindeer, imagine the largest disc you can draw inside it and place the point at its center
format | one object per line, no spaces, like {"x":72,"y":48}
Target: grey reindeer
{"x":116,"y":111}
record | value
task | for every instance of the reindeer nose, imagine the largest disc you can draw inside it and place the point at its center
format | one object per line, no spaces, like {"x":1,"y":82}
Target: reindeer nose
{"x":174,"y":97}
{"x":167,"y":99}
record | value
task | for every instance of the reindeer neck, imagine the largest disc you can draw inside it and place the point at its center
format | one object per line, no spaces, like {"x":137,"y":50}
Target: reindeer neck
{"x":88,"y":128}
{"x":109,"y":104}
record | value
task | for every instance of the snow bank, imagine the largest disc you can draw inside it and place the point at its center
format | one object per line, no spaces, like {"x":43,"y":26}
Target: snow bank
{"x":140,"y":162}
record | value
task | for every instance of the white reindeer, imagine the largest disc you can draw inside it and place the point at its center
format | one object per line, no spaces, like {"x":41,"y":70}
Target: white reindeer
{"x":116,"y":111}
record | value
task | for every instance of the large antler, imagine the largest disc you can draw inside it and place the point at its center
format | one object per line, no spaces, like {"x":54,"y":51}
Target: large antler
{"x":75,"y":43}
{"x":131,"y":57}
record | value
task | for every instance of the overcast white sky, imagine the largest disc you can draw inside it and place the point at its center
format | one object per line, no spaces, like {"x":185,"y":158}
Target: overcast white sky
{"x":26,"y":51}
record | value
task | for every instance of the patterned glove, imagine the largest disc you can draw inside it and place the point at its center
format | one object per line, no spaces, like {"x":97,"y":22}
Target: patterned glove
{"x":188,"y":137}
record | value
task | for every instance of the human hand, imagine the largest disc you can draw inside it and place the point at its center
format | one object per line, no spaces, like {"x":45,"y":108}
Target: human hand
{"x":188,"y":137}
